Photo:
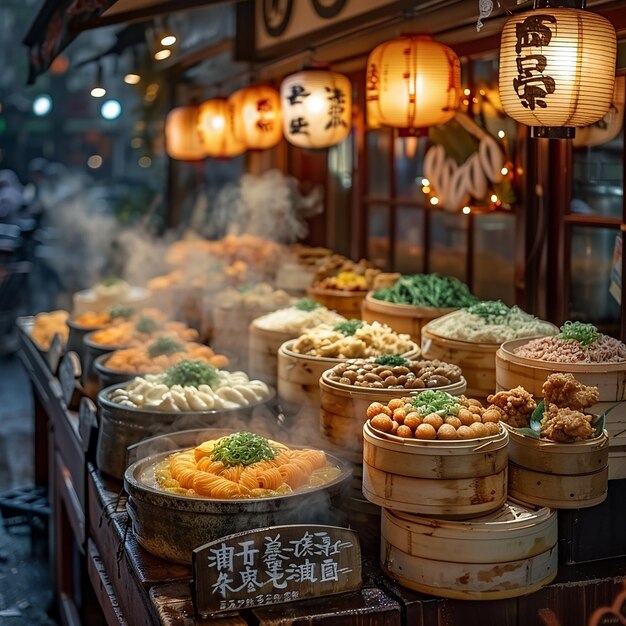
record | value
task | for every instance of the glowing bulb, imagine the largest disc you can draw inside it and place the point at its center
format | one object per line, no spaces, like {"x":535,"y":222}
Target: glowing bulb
{"x":475,"y":100}
{"x":466,"y":92}
{"x":94,"y":161}
{"x":501,"y":134}
{"x":482,"y":92}
{"x":111,"y":109}
{"x":494,"y":198}
{"x":466,"y":101}
{"x":315,"y":104}
{"x":425,"y":182}
{"x":144,"y":161}
{"x":168,"y":40}
{"x":426,"y":189}
{"x":98,"y":92}
{"x":218,"y":122}
{"x":42,"y":105}
{"x":159,"y":55}
{"x":136,"y":142}
{"x":467,"y":210}
{"x":504,"y":171}
{"x":132,"y":79}
{"x":434,"y":200}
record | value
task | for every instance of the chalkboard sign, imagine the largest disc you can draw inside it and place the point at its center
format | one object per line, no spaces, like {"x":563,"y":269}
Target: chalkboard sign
{"x":275,"y":565}
{"x":69,"y":373}
{"x":55,"y":351}
{"x":88,"y":427}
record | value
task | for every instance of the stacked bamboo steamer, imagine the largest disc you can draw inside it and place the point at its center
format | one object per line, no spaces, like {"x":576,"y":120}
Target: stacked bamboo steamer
{"x":610,"y":378}
{"x":346,"y":303}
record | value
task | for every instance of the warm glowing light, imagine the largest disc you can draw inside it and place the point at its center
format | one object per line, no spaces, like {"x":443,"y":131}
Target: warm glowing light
{"x":160,"y":55}
{"x":316,"y":107}
{"x":425,"y":182}
{"x":144,"y":161}
{"x":465,"y":101}
{"x":257,"y":116}
{"x":426,"y":189}
{"x":467,"y":92}
{"x":98,"y":92}
{"x":494,"y":198}
{"x":504,"y":171}
{"x":182,"y":139}
{"x":466,"y":210}
{"x":434,"y":200}
{"x":168,"y":40}
{"x":482,"y":92}
{"x":136,"y":142}
{"x":501,"y":134}
{"x":132,"y":79}
{"x":475,"y":100}
{"x":560,"y":72}
{"x":215,"y":128}
{"x":94,"y":161}
{"x":413,"y":82}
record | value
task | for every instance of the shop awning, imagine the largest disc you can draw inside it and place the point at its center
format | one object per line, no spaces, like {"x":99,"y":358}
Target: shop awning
{"x":60,"y":21}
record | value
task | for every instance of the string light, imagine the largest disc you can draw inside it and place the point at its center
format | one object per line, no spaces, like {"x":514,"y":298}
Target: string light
{"x":434,"y":200}
{"x":467,"y":210}
{"x":494,"y":198}
{"x":425,"y":182}
{"x":132,"y":79}
{"x":504,"y":171}
{"x":168,"y":40}
{"x":160,"y":55}
{"x":467,"y":92}
{"x":426,"y":189}
{"x":501,"y":134}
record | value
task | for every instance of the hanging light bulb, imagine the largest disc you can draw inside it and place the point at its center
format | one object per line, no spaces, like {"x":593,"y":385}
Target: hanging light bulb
{"x":557,"y":69}
{"x":98,"y":90}
{"x":317,"y":108}
{"x":413,"y":82}
{"x":182,"y":137}
{"x":257,"y":118}
{"x":215,"y":126}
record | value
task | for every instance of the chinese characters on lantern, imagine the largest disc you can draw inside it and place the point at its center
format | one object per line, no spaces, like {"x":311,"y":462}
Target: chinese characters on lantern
{"x":276,"y":565}
{"x":531,"y":84}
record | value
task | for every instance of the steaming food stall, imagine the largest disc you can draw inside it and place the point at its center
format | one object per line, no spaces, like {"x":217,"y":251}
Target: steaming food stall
{"x":271,"y":432}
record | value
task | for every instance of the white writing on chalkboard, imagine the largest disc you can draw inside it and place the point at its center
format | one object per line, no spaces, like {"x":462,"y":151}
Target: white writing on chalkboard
{"x":251,"y":569}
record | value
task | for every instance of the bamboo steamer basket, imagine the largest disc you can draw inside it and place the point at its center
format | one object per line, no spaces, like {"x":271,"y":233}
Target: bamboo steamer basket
{"x":477,"y":360}
{"x":298,"y":382}
{"x":171,"y":526}
{"x":508,"y":553}
{"x":403,"y":318}
{"x":343,"y":409}
{"x":230,"y":333}
{"x":558,"y":475}
{"x":123,"y":426}
{"x":610,"y":378}
{"x":461,"y":478}
{"x":263,"y":346}
{"x":346,"y":303}
{"x":89,"y":300}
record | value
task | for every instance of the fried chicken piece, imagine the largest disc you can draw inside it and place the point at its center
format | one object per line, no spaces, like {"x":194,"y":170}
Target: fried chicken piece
{"x":516,"y":406}
{"x":565,"y":425}
{"x":566,"y":392}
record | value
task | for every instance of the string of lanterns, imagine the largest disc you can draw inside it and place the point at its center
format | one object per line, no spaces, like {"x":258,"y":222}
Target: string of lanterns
{"x":557,"y":72}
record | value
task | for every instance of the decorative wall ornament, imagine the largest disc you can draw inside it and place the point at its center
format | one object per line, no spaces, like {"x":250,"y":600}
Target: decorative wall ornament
{"x":413,"y":82}
{"x":257,"y":118}
{"x":317,"y":108}
{"x":557,"y":69}
{"x":215,"y":126}
{"x":182,"y":139}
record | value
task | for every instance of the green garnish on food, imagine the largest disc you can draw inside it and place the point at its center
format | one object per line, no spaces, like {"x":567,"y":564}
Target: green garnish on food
{"x":244,"y":449}
{"x":306,"y":304}
{"x":120,"y":310}
{"x":492,"y":311}
{"x":147,"y":325}
{"x":348,"y":328}
{"x":164,"y":346}
{"x":440,"y":402}
{"x":427,"y":290}
{"x":585,"y":334}
{"x":188,"y":373}
{"x":392,"y":360}
{"x":110,"y":282}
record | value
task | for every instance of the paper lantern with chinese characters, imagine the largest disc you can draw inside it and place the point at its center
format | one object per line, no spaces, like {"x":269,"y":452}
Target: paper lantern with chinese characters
{"x":257,"y":119}
{"x":182,"y":139}
{"x":317,"y":108}
{"x":557,"y":69}
{"x":215,"y":125}
{"x":413,"y":82}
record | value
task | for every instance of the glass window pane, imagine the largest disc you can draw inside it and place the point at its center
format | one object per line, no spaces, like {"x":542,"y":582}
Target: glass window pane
{"x":598,"y":173}
{"x":378,"y":174}
{"x":378,"y":235}
{"x":448,"y":240}
{"x":494,"y":257}
{"x":409,"y":250}
{"x":591,"y":260}
{"x":409,"y":161}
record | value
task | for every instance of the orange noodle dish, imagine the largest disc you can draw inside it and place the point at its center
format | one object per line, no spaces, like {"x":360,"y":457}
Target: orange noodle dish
{"x":243,"y":465}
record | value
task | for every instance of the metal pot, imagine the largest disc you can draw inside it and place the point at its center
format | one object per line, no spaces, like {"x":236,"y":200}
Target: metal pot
{"x":171,"y":526}
{"x":92,"y":351}
{"x":122,"y":426}
{"x":77,"y":334}
{"x":108,"y":377}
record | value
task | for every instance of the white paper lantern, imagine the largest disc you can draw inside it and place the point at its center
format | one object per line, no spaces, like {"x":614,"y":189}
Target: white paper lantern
{"x":317,"y":108}
{"x":413,"y":82}
{"x":557,"y":69}
{"x":257,"y":118}
{"x":215,"y":126}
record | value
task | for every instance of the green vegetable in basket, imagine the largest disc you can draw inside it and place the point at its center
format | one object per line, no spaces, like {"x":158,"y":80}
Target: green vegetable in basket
{"x":428,"y":290}
{"x":306,"y":304}
{"x":348,"y":328}
{"x":432,"y":401}
{"x":585,"y":334}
